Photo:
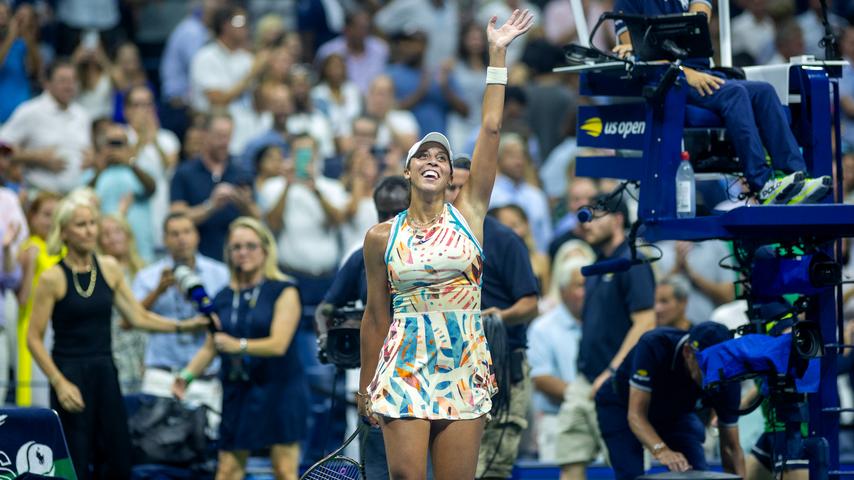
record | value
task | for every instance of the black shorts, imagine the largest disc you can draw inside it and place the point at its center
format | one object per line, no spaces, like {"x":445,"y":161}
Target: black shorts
{"x":765,"y":449}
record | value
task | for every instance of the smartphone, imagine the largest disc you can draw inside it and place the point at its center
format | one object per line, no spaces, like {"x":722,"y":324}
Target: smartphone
{"x":302,"y":161}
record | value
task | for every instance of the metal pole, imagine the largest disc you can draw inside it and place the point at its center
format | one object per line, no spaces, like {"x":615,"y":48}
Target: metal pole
{"x":724,"y":29}
{"x":580,"y":23}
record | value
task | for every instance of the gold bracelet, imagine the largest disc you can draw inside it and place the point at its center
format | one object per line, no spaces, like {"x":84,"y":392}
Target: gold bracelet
{"x":362,"y":395}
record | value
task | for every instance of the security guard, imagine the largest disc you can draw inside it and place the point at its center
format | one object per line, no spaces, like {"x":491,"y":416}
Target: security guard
{"x":652,"y":399}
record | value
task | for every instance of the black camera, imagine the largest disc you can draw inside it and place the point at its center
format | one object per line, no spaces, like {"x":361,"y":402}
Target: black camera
{"x":341,"y":347}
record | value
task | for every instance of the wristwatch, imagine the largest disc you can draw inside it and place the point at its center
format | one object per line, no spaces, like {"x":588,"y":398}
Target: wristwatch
{"x":657,"y":448}
{"x":244,"y":344}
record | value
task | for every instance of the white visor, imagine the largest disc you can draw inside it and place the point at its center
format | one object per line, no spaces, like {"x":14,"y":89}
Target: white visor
{"x":430,"y":137}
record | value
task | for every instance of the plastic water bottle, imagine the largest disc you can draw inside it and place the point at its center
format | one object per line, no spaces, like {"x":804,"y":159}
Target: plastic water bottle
{"x":686,"y":193}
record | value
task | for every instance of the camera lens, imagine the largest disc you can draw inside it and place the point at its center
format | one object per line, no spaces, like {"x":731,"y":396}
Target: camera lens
{"x":807,"y":340}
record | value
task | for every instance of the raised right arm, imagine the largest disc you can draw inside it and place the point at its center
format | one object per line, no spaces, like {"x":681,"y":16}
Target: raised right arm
{"x":473,"y":200}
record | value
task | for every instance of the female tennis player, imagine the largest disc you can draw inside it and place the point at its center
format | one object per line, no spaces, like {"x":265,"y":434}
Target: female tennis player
{"x":426,"y":371}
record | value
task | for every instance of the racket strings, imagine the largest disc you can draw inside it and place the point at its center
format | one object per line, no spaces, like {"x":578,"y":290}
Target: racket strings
{"x":335,"y":469}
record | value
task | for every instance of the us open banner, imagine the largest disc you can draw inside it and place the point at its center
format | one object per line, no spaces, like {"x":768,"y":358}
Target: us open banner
{"x":620,"y":126}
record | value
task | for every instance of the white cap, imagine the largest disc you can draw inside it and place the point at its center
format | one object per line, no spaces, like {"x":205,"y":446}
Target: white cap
{"x":430,"y":137}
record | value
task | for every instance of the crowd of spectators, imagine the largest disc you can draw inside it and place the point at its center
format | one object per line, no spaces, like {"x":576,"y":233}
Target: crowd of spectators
{"x":292,"y":111}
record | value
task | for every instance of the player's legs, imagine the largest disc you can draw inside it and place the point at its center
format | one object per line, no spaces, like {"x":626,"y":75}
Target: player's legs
{"x":406,"y":443}
{"x":454,"y":446}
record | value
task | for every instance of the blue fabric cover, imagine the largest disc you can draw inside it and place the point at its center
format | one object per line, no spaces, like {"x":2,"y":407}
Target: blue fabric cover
{"x":754,"y":354}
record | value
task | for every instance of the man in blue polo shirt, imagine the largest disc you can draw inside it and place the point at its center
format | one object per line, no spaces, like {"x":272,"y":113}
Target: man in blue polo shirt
{"x":154,"y":286}
{"x":652,"y":401}
{"x":509,"y":291}
{"x":752,"y":113}
{"x":212,"y":190}
{"x":618,"y":309}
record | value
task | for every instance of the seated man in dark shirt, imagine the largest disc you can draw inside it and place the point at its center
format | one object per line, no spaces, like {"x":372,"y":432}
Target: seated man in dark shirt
{"x":751,"y":111}
{"x":652,"y":400}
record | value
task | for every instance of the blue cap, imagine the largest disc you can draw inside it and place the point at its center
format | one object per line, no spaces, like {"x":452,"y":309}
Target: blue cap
{"x":706,"y":334}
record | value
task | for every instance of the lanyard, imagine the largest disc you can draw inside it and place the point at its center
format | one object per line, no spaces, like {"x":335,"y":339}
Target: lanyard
{"x":235,"y":303}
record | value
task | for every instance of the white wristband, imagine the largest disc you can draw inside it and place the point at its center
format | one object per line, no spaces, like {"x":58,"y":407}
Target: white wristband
{"x":496,"y":75}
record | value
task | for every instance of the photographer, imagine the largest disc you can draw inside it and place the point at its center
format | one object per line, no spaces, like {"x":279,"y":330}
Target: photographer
{"x":390,"y":198}
{"x":634,"y":414}
{"x":155,"y":287}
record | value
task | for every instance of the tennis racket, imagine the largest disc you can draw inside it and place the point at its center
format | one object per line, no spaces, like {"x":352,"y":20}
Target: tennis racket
{"x":336,"y":465}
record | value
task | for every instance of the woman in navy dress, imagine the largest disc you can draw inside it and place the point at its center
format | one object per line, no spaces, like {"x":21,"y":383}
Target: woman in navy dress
{"x":265,"y":394}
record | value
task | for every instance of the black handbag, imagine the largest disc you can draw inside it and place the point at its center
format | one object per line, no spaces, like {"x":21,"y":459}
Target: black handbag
{"x":164,"y":431}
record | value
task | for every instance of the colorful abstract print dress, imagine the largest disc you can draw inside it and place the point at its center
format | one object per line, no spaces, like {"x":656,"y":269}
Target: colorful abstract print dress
{"x":434,"y":363}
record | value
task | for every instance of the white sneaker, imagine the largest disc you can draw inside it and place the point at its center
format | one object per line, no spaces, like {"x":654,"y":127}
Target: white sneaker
{"x":781,"y":190}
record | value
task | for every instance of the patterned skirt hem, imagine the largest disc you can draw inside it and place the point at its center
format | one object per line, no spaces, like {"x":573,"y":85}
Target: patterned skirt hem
{"x":462,"y":416}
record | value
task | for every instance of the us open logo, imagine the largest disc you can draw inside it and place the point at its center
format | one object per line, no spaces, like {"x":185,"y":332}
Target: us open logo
{"x":594,"y":127}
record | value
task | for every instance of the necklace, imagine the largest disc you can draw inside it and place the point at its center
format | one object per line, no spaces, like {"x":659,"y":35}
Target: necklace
{"x":90,"y":289}
{"x":419,"y":226}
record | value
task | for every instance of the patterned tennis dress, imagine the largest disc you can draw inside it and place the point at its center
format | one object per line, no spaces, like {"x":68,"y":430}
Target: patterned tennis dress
{"x":434,"y":363}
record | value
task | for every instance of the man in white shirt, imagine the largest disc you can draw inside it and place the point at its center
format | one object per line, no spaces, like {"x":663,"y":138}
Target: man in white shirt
{"x":710,"y":284}
{"x":552,"y":352}
{"x":156,"y":150}
{"x":788,"y":43}
{"x":223,"y":72}
{"x":305,"y":210}
{"x":511,"y":187}
{"x":51,"y":134}
{"x":250,"y":120}
{"x":307,"y":117}
{"x":753,"y":32}
{"x":395,"y":126}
